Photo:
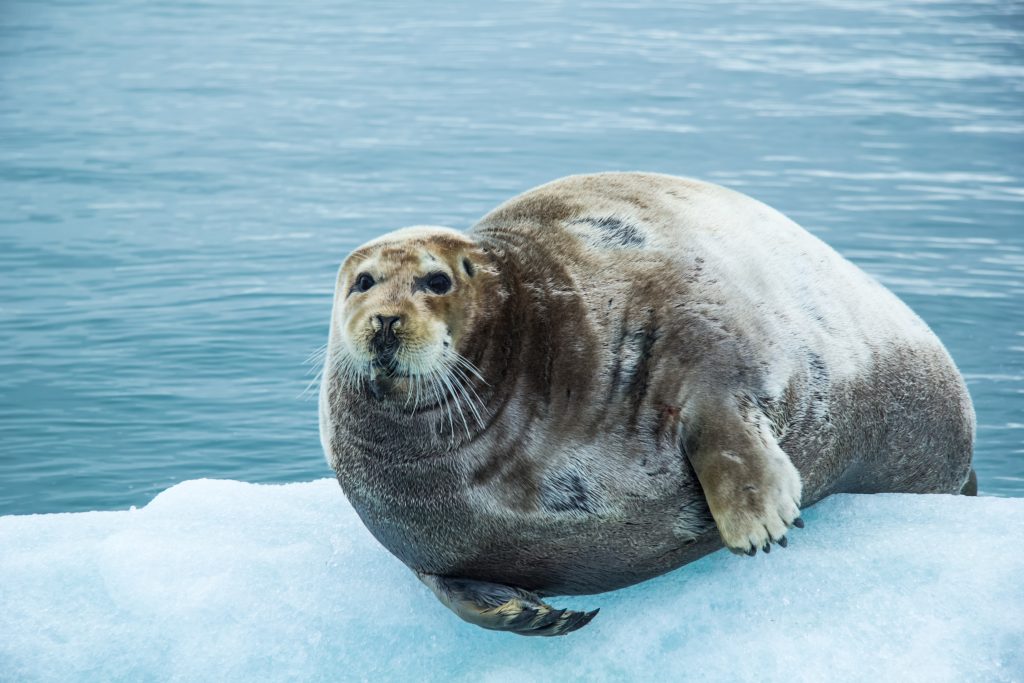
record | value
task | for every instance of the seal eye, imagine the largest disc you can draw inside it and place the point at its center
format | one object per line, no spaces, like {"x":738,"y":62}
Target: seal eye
{"x":439,"y":283}
{"x":363,"y":282}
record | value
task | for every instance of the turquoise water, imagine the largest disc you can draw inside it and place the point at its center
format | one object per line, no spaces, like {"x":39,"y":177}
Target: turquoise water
{"x":178,"y":183}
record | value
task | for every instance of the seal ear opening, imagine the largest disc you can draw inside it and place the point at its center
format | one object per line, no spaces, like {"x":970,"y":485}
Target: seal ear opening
{"x":467,"y":265}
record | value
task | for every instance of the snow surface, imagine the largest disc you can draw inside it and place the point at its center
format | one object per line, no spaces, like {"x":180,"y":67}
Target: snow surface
{"x":226,"y":581}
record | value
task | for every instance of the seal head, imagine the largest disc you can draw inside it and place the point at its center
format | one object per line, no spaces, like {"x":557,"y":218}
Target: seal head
{"x":404,"y":304}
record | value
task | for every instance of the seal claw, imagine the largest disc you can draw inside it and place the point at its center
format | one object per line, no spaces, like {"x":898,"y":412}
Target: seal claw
{"x":504,"y":608}
{"x":751,"y":485}
{"x":798,"y":523}
{"x":571,"y":621}
{"x":783,"y":542}
{"x":545,"y":621}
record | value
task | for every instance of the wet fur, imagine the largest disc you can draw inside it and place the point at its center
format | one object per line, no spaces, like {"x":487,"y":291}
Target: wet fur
{"x":632,"y":327}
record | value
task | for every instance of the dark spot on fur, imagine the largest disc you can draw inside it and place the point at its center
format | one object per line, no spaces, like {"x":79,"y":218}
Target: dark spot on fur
{"x":520,"y":479}
{"x":818,"y":370}
{"x":468,"y":267}
{"x":819,"y":381}
{"x":566,"y":492}
{"x":631,"y":363}
{"x":613,"y":232}
{"x":639,"y":375}
{"x":514,"y":477}
{"x":616,"y":369}
{"x":492,"y":468}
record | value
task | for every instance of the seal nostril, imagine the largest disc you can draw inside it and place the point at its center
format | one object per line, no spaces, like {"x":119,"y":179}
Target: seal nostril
{"x":388,"y":323}
{"x":385,"y":342}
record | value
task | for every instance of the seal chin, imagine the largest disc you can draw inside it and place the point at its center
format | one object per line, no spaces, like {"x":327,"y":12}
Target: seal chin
{"x":385,"y":364}
{"x":390,"y":373}
{"x":381,"y":386}
{"x":387,"y":378}
{"x":384,"y":374}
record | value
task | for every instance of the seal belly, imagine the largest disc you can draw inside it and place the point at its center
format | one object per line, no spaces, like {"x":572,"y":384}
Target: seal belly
{"x":578,"y":556}
{"x":589,"y":517}
{"x":557,"y":543}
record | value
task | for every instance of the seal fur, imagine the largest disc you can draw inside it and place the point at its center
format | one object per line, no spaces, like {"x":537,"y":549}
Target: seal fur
{"x":652,"y":367}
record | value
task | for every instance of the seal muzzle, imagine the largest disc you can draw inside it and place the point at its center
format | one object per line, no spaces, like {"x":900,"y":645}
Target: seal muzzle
{"x":384,"y":343}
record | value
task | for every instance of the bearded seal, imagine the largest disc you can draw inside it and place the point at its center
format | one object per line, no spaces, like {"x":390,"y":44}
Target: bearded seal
{"x":612,"y":375}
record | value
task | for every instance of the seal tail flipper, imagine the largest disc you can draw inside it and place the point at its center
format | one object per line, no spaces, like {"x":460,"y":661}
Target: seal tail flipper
{"x":504,"y":608}
{"x":970,"y":487}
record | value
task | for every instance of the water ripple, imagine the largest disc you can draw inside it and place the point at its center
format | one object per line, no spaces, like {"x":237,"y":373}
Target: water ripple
{"x":178,"y":183}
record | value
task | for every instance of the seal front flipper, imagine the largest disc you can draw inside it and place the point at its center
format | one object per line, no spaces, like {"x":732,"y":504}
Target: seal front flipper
{"x":751,"y":485}
{"x":504,"y":608}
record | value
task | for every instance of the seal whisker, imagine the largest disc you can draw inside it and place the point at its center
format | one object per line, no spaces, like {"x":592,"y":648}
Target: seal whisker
{"x":442,"y":399}
{"x":317,"y":380}
{"x":456,"y":399}
{"x":462,"y":388}
{"x":424,"y":389}
{"x":468,"y":364}
{"x":408,"y":393}
{"x":472,"y":400}
{"x":351,"y":373}
{"x":429,"y":392}
{"x":421,"y":393}
{"x":316,"y":357}
{"x":340,"y":365}
{"x":346,"y":367}
{"x":463,"y":367}
{"x":317,"y":361}
{"x":416,"y":388}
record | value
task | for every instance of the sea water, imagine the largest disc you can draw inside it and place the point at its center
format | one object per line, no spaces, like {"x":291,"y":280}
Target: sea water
{"x":179,"y":182}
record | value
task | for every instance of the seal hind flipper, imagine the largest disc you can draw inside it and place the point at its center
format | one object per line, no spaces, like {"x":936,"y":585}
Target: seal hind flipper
{"x":504,"y":608}
{"x":751,"y":485}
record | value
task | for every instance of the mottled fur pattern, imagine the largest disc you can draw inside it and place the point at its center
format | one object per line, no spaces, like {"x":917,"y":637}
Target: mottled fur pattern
{"x":665,"y":364}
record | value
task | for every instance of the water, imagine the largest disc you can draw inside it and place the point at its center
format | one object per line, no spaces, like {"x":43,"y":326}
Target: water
{"x":178,"y":183}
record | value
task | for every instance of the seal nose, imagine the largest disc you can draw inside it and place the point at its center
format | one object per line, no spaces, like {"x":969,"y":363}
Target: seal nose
{"x":385,"y":342}
{"x":387,"y":324}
